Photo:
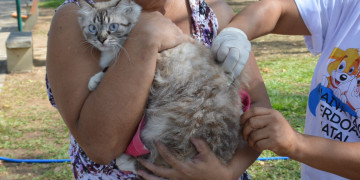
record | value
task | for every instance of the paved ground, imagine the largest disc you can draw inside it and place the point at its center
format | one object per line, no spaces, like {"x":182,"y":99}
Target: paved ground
{"x":7,"y":25}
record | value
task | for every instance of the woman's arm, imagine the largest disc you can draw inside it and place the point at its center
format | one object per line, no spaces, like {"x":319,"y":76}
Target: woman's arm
{"x":104,"y":120}
{"x":270,"y":16}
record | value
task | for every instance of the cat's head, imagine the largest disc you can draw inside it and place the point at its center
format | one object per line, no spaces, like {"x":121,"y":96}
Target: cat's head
{"x":107,"y":24}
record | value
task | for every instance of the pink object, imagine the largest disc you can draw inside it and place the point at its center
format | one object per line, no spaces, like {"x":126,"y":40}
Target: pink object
{"x":245,"y":99}
{"x":137,"y":148}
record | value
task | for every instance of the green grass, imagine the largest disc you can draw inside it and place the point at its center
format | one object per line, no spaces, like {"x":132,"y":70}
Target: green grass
{"x":51,"y":3}
{"x":31,"y":129}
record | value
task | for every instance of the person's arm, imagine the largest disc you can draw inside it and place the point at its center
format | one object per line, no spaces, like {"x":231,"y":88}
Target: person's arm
{"x":270,"y":16}
{"x":245,"y":156}
{"x":104,"y":120}
{"x":267,"y":129}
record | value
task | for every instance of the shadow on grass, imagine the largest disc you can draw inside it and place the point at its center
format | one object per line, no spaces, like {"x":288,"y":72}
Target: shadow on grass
{"x":39,"y":63}
{"x":3,"y":67}
{"x":9,"y":29}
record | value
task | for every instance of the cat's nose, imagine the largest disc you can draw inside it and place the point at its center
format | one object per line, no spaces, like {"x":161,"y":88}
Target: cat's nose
{"x":102,"y":39}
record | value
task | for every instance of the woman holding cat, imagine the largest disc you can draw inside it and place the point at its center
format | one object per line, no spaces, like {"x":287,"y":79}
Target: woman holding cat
{"x":102,"y":122}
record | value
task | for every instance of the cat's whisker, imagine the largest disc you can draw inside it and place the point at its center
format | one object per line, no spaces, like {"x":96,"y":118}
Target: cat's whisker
{"x":126,"y":53}
{"x":87,"y":45}
{"x":92,"y":50}
{"x":116,"y":50}
{"x":130,"y":38}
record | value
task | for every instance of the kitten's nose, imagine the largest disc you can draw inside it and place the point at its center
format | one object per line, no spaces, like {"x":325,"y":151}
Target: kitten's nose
{"x":102,"y":39}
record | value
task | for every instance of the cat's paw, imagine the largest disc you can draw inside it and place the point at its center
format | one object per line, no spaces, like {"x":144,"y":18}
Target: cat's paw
{"x":95,"y":80}
{"x":126,"y":163}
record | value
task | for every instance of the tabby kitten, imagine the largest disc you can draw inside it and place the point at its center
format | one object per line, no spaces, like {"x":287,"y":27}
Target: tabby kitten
{"x":106,"y":26}
{"x":190,"y":95}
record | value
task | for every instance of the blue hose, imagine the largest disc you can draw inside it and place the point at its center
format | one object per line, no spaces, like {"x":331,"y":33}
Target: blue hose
{"x":68,"y":160}
{"x":272,"y":158}
{"x":34,"y":160}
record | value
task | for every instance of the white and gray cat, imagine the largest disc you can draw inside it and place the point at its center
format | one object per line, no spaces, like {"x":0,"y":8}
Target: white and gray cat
{"x":190,"y":95}
{"x":106,"y":26}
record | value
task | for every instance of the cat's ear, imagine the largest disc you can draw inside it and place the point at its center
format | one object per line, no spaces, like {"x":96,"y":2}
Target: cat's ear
{"x":128,"y":1}
{"x":117,"y":3}
{"x":128,"y":4}
{"x":85,"y":4}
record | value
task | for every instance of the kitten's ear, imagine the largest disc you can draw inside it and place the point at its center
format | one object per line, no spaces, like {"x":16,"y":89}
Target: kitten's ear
{"x":117,"y":3}
{"x":128,"y":1}
{"x":85,"y":4}
{"x":128,"y":5}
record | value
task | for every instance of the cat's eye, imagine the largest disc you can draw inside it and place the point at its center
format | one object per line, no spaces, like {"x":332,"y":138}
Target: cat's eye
{"x":113,"y":27}
{"x":92,"y":29}
{"x":126,"y":25}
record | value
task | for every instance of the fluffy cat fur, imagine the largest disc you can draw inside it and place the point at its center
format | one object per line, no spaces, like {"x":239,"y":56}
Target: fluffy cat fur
{"x":189,"y":97}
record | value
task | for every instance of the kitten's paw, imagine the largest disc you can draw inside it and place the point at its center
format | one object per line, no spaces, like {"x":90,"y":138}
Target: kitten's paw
{"x":95,"y":80}
{"x":126,"y":163}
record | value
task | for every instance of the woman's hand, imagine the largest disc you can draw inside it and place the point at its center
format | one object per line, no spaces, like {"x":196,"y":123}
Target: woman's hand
{"x":157,"y":30}
{"x":267,"y":129}
{"x":205,"y":165}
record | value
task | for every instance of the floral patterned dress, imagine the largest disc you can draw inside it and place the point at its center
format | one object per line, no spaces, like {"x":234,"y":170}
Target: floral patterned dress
{"x":204,"y":28}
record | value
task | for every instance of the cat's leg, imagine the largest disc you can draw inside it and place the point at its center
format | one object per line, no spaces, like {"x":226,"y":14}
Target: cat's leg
{"x":126,"y":163}
{"x":95,"y":80}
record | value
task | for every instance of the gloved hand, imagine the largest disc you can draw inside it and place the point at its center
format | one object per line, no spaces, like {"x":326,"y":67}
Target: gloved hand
{"x":231,"y":48}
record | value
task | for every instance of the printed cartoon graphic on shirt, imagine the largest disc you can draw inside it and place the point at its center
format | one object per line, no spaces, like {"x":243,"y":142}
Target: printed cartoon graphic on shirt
{"x":353,"y":94}
{"x":339,"y":93}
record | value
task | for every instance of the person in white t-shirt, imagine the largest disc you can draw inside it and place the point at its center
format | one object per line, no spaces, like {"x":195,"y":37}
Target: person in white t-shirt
{"x":330,"y":147}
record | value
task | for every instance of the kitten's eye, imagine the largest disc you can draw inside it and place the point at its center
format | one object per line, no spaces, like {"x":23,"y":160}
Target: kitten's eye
{"x":126,"y":25}
{"x":92,"y":29}
{"x":113,"y":27}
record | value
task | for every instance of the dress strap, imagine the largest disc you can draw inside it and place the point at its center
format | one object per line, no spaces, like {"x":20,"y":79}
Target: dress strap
{"x":204,"y":22}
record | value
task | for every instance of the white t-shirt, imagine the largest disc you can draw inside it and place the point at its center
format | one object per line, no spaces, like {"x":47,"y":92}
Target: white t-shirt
{"x":333,"y":109}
